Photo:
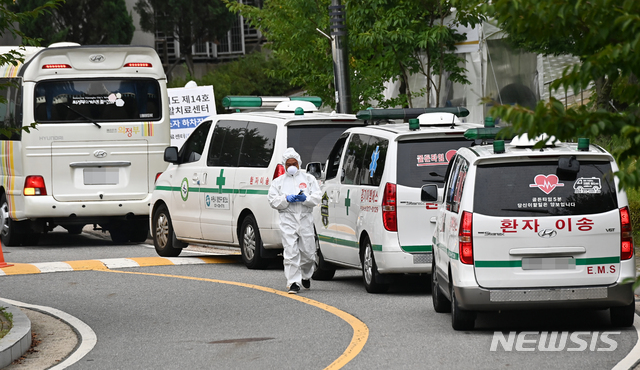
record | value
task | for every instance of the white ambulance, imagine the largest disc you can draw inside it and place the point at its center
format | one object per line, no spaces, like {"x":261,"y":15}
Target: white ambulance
{"x":525,"y":228}
{"x":371,"y":216}
{"x":214,"y":192}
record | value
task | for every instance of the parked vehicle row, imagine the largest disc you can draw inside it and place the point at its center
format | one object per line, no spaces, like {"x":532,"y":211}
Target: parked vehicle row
{"x":494,"y":226}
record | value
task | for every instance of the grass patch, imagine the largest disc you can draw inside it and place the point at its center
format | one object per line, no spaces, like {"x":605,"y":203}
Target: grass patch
{"x":6,"y":321}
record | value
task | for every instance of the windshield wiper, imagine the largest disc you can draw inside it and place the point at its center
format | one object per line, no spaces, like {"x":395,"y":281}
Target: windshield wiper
{"x":534,"y":210}
{"x":82,"y":115}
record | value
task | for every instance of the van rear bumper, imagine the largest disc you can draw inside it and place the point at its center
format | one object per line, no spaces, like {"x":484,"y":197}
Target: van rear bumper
{"x":403,"y":263}
{"x":480,"y":299}
{"x":38,"y":207}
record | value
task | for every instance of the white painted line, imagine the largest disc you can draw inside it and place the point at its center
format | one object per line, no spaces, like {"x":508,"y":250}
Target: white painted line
{"x":634,"y":354}
{"x":52,"y":266}
{"x":119,"y":263}
{"x":185,"y":260}
{"x":87,"y":340}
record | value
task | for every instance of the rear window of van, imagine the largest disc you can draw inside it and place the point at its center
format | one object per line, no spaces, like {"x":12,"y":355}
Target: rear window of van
{"x":539,"y":189}
{"x":425,"y":161}
{"x":314,"y":142}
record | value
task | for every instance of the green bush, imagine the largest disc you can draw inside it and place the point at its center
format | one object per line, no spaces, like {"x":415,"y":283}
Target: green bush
{"x":252,"y":74}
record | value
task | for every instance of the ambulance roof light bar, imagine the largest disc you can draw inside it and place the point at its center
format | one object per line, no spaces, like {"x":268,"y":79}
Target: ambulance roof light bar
{"x":407,"y":113}
{"x":232,"y":102}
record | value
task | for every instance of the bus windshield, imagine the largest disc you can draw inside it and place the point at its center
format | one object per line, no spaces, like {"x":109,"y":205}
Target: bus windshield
{"x":97,"y":100}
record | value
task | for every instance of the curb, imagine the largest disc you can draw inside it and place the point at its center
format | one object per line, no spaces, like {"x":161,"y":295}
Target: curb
{"x":18,"y":340}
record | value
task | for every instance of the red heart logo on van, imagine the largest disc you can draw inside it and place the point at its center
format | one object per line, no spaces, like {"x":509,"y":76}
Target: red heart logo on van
{"x":546,"y":183}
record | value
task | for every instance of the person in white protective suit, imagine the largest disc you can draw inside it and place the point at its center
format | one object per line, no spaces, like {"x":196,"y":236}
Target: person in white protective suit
{"x":294,"y":195}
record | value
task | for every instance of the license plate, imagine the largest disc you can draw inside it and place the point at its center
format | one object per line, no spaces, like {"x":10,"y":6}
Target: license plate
{"x":549,"y":263}
{"x":101,"y":176}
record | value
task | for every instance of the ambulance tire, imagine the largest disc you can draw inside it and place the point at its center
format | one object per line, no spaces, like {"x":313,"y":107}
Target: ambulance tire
{"x":10,"y":235}
{"x":370,"y":275}
{"x":440,"y":302}
{"x":119,"y":235}
{"x":324,"y":270}
{"x":251,"y":244}
{"x":622,"y":316}
{"x":164,"y":239}
{"x":461,"y":319}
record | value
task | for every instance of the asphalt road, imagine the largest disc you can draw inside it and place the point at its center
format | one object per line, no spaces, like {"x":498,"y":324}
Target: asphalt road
{"x":226,"y":316}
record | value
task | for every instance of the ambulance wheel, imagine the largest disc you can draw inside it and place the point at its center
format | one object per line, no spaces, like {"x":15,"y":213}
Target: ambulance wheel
{"x":370,"y":273}
{"x":461,"y":319}
{"x":622,"y":317}
{"x":9,"y":235}
{"x":440,"y":302}
{"x":250,"y":244}
{"x":324,"y":270}
{"x":164,"y":239}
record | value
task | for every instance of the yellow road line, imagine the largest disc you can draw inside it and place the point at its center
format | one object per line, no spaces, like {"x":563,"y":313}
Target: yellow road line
{"x":113,"y":263}
{"x":360,"y":329}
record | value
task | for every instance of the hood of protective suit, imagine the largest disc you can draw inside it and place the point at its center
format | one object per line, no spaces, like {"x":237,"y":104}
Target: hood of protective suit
{"x":291,"y":153}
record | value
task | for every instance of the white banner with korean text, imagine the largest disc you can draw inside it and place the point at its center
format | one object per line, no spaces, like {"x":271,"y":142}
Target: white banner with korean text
{"x":188,"y":106}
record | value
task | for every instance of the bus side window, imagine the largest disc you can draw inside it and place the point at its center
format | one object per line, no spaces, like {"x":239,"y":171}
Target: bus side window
{"x":10,"y":117}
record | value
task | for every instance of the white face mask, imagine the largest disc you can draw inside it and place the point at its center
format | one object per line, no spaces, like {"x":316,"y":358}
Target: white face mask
{"x":292,"y":170}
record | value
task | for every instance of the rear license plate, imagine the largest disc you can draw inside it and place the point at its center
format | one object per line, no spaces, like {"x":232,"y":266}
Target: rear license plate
{"x":549,"y":263}
{"x":101,"y":176}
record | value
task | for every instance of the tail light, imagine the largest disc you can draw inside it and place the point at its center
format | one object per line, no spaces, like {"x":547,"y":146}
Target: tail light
{"x":465,"y":238}
{"x":136,"y":65}
{"x":34,"y":185}
{"x":56,"y":66}
{"x":278,"y":172}
{"x":157,"y":175}
{"x":626,"y":243}
{"x":389,"y":215}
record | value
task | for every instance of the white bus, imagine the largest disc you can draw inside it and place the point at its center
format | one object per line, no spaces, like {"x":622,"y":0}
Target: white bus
{"x":102,"y":124}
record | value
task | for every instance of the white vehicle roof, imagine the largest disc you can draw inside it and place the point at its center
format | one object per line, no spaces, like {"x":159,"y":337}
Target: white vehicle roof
{"x":402,"y":131}
{"x":486,"y":153}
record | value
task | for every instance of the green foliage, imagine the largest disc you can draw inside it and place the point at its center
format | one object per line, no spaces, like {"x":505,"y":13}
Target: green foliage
{"x":6,"y":322}
{"x":388,"y":40}
{"x":87,"y":22}
{"x":605,"y":34}
{"x":250,"y":75}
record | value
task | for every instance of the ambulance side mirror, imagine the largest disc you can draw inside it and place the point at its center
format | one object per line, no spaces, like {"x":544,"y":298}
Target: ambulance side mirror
{"x":315,"y":169}
{"x":429,"y":193}
{"x":171,"y":155}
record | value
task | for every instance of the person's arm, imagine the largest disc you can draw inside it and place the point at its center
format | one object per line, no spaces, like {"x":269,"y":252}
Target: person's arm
{"x":314,"y":195}
{"x":276,"y":199}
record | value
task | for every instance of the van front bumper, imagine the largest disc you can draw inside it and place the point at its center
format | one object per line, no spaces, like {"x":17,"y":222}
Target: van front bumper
{"x":481,"y":299}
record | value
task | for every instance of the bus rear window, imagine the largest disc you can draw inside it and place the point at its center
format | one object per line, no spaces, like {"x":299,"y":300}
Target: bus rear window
{"x":99,"y":100}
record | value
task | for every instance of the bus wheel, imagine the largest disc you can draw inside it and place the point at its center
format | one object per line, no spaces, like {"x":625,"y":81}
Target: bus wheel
{"x":250,"y":244}
{"x":119,"y":234}
{"x":9,"y":235}
{"x":139,"y":231}
{"x":164,"y":239}
{"x":74,"y":229}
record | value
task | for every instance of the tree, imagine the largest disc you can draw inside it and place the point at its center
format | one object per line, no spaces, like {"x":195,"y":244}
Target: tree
{"x":187,"y":20}
{"x":9,"y":22}
{"x":87,"y":22}
{"x":605,"y":34}
{"x":388,"y":40}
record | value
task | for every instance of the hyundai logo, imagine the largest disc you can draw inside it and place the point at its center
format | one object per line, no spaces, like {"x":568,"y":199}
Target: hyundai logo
{"x":99,"y":154}
{"x":97,"y":58}
{"x":547,"y":233}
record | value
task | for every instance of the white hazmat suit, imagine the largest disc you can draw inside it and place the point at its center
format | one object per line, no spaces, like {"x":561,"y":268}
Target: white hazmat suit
{"x":296,"y":220}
